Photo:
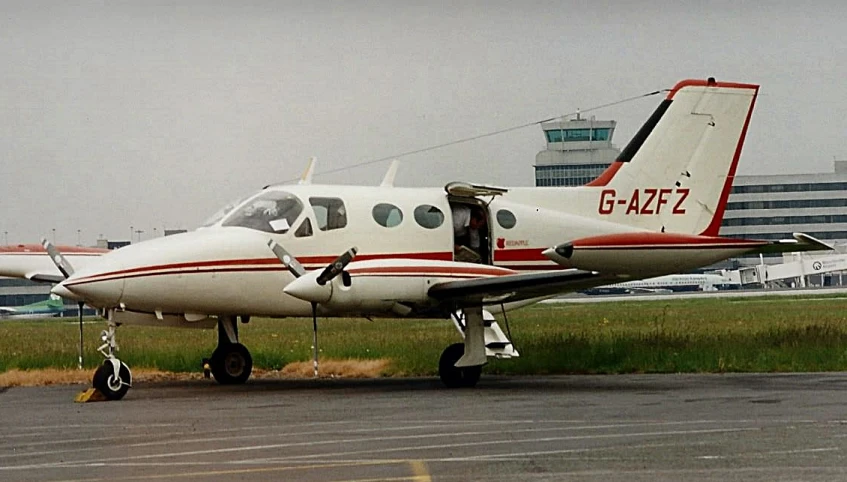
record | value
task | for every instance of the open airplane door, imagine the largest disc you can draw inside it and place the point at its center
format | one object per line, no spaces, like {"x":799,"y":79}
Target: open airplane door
{"x":471,"y":220}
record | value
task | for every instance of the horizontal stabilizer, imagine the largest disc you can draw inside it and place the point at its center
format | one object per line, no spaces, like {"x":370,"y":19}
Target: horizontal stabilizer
{"x":801,"y":242}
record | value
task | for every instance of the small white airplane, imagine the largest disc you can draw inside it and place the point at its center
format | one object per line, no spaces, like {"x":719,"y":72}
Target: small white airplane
{"x":655,"y":211}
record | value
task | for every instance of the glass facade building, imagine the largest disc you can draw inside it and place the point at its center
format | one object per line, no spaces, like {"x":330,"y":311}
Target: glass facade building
{"x":775,"y":206}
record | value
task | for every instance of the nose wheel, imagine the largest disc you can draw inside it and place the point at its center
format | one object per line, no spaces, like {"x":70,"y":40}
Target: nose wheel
{"x":113,"y":378}
{"x":112,"y":382}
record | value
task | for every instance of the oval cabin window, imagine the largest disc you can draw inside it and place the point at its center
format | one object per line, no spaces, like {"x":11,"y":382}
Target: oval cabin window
{"x":387,"y":215}
{"x":429,"y":216}
{"x":506,"y":219}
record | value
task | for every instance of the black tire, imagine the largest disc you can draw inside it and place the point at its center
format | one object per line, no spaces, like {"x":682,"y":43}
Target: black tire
{"x":231,"y":364}
{"x":113,"y":388}
{"x":452,"y":376}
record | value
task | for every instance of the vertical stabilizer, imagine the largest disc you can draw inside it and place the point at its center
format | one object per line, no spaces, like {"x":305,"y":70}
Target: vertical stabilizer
{"x":676,"y":173}
{"x":306,"y":178}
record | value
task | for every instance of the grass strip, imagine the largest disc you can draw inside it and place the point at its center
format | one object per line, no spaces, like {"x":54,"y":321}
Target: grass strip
{"x":779,"y":334}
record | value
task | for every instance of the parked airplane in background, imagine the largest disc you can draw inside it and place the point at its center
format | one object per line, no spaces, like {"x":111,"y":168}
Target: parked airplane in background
{"x":655,"y":211}
{"x":668,"y":283}
{"x":43,"y":309}
{"x":30,"y":261}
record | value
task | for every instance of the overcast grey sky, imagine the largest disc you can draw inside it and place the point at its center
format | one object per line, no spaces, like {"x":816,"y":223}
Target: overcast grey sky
{"x":120,"y":114}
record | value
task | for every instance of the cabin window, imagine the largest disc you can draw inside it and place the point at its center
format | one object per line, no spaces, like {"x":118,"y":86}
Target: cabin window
{"x":506,"y":219}
{"x":305,"y":229}
{"x":271,"y":212}
{"x":428,"y":216}
{"x":330,"y":212}
{"x":387,"y":215}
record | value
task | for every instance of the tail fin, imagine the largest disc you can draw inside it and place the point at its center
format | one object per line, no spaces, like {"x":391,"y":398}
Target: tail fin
{"x":676,"y":173}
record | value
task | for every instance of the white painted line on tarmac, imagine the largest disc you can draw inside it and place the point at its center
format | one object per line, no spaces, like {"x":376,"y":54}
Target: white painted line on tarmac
{"x":283,"y":432}
{"x":252,"y":448}
{"x":768,"y":454}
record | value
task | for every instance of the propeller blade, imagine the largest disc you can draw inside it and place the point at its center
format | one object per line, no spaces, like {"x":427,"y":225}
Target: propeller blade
{"x":59,"y":260}
{"x":287,"y":259}
{"x":336,"y":267}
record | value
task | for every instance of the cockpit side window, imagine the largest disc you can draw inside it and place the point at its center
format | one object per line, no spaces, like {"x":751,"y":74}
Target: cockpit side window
{"x":271,"y":212}
{"x":305,"y":229}
{"x":330,"y":212}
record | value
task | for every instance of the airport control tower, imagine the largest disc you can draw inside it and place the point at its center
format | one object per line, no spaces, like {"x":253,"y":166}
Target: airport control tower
{"x":578,"y":150}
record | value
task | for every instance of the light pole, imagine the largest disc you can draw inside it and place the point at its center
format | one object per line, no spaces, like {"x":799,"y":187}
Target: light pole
{"x":79,"y":237}
{"x":131,"y":230}
{"x":54,"y":235}
{"x":138,"y":232}
{"x":6,"y":237}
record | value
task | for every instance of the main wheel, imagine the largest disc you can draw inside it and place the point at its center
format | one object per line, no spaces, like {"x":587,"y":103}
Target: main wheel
{"x":453,"y":376}
{"x":112,"y":386}
{"x":231,"y":364}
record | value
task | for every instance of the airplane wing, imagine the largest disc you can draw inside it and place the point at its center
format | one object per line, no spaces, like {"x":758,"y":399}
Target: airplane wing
{"x":517,"y":287}
{"x":45,"y":278}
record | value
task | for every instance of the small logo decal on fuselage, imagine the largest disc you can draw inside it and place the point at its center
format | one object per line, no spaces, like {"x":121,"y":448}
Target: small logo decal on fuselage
{"x":503,"y":243}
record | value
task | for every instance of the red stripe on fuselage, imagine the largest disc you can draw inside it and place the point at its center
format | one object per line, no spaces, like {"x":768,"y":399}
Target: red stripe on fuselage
{"x":256,"y":264}
{"x":660,"y":240}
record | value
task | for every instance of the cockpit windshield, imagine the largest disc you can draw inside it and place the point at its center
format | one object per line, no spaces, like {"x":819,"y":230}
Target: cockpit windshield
{"x":222,"y":212}
{"x":271,"y":212}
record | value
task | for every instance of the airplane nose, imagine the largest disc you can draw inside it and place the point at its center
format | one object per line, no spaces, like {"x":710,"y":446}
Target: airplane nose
{"x":94,"y":291}
{"x":307,"y":288}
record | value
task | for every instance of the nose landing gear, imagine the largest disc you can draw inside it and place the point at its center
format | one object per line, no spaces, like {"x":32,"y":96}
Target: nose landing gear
{"x":113,"y":378}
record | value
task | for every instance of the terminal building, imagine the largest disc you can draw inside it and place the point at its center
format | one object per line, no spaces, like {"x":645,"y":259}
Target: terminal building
{"x":759,"y":207}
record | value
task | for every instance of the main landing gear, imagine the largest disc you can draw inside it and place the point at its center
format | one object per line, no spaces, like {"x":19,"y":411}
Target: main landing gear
{"x":231,"y":363}
{"x":113,"y":378}
{"x":460,"y":365}
{"x":453,"y":376}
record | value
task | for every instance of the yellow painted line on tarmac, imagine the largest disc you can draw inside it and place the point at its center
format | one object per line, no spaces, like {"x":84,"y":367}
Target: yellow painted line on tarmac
{"x":420,"y":473}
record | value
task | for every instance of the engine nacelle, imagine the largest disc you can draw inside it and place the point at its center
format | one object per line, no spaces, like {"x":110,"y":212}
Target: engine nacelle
{"x":385,"y":286}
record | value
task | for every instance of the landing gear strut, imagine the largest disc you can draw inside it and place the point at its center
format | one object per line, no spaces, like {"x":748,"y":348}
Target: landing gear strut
{"x":231,"y":363}
{"x":113,"y":378}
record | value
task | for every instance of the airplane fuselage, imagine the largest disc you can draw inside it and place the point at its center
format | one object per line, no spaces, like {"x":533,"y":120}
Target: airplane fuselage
{"x":228,"y":269}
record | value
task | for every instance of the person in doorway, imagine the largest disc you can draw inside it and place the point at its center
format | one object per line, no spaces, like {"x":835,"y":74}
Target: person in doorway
{"x":470,"y":233}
